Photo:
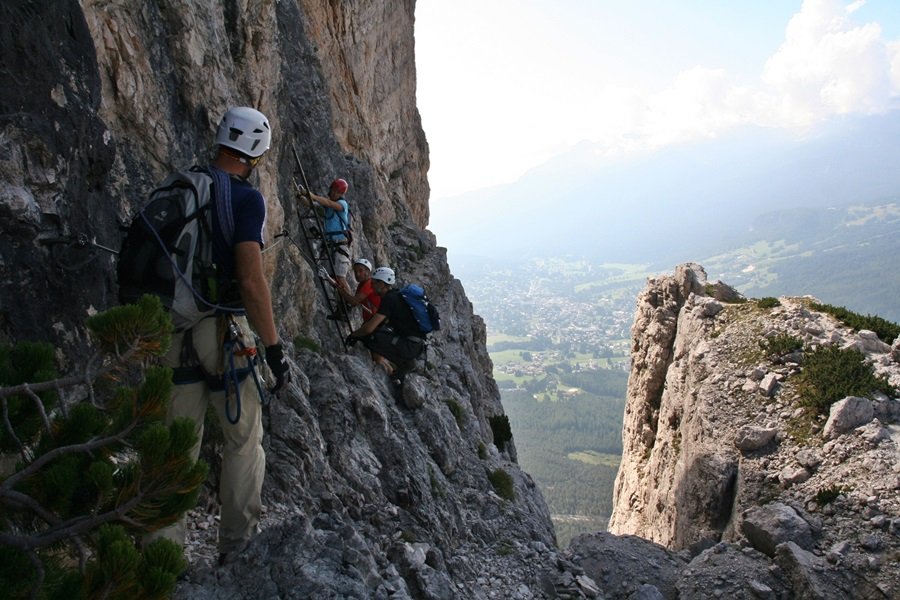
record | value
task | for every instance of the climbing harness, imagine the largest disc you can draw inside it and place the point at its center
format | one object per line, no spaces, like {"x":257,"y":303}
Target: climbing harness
{"x":229,"y":381}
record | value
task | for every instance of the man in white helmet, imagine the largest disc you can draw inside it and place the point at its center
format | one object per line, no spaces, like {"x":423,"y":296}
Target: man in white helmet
{"x":365,"y":297}
{"x":393,"y":332}
{"x":196,"y":354}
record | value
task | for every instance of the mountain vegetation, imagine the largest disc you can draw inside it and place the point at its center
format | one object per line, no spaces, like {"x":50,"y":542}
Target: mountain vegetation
{"x":832,"y":373}
{"x":571,"y":443}
{"x":89,"y":465}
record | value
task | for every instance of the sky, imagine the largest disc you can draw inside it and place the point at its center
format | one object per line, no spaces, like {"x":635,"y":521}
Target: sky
{"x":504,"y":85}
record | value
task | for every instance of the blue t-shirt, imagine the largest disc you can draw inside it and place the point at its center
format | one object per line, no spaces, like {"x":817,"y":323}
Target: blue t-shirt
{"x":248,"y":207}
{"x":337,"y":222}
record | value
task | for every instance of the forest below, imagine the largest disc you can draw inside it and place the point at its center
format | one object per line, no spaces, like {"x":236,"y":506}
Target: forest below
{"x":568,"y":433}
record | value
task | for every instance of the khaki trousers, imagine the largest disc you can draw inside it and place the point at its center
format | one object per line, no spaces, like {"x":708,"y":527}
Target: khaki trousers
{"x":243,"y":459}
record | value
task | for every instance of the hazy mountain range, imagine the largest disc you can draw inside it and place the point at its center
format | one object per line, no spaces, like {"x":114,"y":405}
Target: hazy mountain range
{"x":777,"y":214}
{"x":672,"y":203}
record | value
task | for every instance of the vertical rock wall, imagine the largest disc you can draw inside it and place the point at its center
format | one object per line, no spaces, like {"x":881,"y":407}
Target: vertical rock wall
{"x":100,"y":99}
{"x":675,"y":485}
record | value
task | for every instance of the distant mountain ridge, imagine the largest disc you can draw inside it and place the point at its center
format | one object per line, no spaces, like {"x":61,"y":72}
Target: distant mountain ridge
{"x":678,"y":204}
{"x":845,"y":256}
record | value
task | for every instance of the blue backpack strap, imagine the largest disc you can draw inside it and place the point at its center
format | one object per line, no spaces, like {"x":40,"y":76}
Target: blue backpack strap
{"x":222,"y":190}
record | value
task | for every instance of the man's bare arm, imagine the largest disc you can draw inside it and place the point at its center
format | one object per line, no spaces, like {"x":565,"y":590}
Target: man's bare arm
{"x":327,"y":202}
{"x":352,"y":300}
{"x":369,"y":326}
{"x":255,"y":290}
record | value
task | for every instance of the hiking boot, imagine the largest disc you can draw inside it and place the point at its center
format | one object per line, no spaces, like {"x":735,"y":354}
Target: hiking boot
{"x":406,"y":366}
{"x":226,"y":558}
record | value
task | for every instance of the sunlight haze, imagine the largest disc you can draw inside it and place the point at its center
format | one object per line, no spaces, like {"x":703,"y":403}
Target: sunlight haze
{"x":505,"y":85}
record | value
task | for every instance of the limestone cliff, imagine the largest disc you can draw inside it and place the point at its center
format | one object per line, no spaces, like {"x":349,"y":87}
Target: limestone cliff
{"x":720,"y":456}
{"x":364,"y":498}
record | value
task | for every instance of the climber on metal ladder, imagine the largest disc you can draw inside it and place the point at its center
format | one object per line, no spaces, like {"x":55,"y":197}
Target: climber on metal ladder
{"x":319,"y":253}
{"x":337,"y":231}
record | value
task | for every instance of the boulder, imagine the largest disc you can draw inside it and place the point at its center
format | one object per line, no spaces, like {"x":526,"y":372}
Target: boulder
{"x":750,"y":437}
{"x":808,"y":576}
{"x":768,"y":384}
{"x":808,"y":458}
{"x":626,"y":564}
{"x":647,"y":592}
{"x":727,"y":571}
{"x":848,"y":414}
{"x":707,"y":307}
{"x":725,"y":293}
{"x":413,"y":391}
{"x":765,"y":527}
{"x":793,"y":475}
{"x":868,"y":343}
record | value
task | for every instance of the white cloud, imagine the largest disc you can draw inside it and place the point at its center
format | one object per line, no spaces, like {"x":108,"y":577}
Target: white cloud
{"x":700,"y":103}
{"x":893,"y":51}
{"x":828,"y":66}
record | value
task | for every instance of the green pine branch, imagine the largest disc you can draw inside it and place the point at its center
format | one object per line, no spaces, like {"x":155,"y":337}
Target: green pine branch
{"x":94,"y":474}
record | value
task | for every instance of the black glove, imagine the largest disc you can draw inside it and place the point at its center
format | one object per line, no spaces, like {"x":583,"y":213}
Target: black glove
{"x":278,"y":365}
{"x":350,"y":340}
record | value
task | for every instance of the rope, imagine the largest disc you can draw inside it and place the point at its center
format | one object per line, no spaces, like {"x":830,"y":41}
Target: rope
{"x":232,"y":373}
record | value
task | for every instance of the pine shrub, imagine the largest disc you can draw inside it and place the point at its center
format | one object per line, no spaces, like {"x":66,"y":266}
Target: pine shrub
{"x":305,"y":343}
{"x":458,"y":412}
{"x":781,"y":344}
{"x":501,"y":430}
{"x":768,"y":302}
{"x":887,"y":331}
{"x":97,"y":472}
{"x":503,"y":484}
{"x":831,"y":374}
{"x":828,"y":495}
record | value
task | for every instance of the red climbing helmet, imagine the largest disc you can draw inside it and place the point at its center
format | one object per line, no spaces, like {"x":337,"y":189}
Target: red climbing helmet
{"x":340,"y":186}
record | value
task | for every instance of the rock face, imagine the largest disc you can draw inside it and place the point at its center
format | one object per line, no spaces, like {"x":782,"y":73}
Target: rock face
{"x":364,"y":497}
{"x":716,"y":463}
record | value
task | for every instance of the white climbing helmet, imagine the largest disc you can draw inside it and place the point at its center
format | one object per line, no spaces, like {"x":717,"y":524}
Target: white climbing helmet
{"x":385,"y":274}
{"x":246,"y":130}
{"x":363,"y":262}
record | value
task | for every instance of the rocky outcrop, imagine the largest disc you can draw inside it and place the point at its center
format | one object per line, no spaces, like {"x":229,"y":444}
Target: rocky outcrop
{"x":693,"y":483}
{"x":717,"y":462}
